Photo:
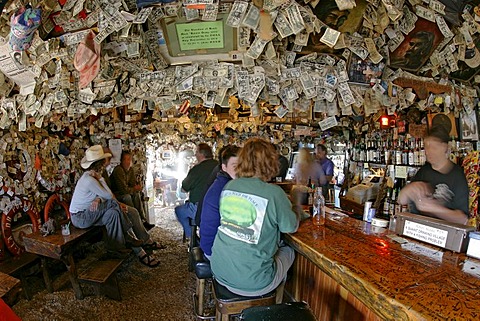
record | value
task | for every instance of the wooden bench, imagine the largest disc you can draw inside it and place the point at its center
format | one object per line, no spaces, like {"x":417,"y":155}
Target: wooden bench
{"x":102,"y":275}
{"x":19,"y":266}
{"x":9,"y":288}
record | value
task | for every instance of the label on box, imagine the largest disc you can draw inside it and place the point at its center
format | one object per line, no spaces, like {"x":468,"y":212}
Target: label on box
{"x":425,"y":233}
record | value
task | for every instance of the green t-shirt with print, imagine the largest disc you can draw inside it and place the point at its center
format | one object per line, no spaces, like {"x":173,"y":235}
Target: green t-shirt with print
{"x":253,"y":214}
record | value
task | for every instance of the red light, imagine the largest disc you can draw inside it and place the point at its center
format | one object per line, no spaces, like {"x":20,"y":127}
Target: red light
{"x":384,"y":122}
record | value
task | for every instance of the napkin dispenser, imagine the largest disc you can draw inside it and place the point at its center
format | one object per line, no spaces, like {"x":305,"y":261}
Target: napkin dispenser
{"x":450,"y":236}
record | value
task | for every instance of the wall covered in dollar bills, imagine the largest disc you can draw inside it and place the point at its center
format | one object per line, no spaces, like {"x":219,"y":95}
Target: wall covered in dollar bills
{"x":82,"y":72}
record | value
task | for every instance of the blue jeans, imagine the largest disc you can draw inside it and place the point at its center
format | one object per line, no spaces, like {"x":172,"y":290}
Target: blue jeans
{"x":184,"y":213}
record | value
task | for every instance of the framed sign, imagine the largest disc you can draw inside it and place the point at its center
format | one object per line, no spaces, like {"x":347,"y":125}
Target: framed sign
{"x":188,"y":41}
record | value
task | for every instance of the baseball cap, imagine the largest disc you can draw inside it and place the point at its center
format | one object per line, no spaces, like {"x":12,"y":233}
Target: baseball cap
{"x":23,"y":24}
{"x":87,"y":60}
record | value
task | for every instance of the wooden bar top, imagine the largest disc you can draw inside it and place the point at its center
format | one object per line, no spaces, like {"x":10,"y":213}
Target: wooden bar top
{"x":412,"y":281}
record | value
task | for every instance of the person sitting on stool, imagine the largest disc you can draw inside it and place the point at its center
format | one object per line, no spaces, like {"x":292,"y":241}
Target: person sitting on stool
{"x":248,"y":257}
{"x":195,"y":183}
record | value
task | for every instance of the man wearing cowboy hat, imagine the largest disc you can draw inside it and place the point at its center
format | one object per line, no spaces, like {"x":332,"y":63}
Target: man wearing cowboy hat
{"x":93,"y":203}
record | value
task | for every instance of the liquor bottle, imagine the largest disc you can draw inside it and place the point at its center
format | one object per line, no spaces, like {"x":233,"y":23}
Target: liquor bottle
{"x":318,"y":216}
{"x":423,"y":158}
{"x":405,"y":152}
{"x":411,"y":152}
{"x":386,"y":204}
{"x":416,"y":153}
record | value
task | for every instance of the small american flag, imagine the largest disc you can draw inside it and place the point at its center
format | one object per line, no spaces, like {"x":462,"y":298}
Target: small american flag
{"x":184,"y":107}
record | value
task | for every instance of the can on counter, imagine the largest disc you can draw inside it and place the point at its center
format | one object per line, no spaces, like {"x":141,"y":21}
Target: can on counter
{"x":366,"y":211}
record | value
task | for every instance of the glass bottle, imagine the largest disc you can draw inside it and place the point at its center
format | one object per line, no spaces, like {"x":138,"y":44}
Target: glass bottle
{"x":318,"y":216}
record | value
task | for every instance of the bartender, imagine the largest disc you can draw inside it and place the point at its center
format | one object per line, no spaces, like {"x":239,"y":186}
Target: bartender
{"x":439,"y":189}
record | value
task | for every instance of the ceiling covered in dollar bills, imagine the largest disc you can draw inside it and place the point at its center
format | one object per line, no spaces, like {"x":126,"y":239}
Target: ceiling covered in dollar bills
{"x":201,"y":66}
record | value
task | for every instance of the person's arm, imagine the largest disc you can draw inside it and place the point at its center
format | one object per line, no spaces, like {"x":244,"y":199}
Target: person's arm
{"x":119,"y":180}
{"x":187,"y":183}
{"x":414,"y":191}
{"x":288,"y":220}
{"x":434,"y":208}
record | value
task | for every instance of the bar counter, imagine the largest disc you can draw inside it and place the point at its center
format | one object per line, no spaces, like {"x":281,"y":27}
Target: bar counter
{"x":350,"y":270}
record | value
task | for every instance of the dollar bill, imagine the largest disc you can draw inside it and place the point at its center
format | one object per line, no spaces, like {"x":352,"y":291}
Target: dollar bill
{"x":143,"y":15}
{"x":252,"y":17}
{"x":74,"y":38}
{"x":330,"y":94}
{"x":273,"y":86}
{"x":288,"y":94}
{"x":395,"y":42}
{"x":237,"y":13}
{"x":156,"y":14}
{"x":243,"y":85}
{"x":295,"y":18}
{"x":442,"y":25}
{"x":210,"y":12}
{"x":291,"y":73}
{"x":374,"y":55}
{"x":437,"y":6}
{"x":346,"y":93}
{"x":330,"y":37}
{"x":256,"y":48}
{"x":301,"y":38}
{"x":257,"y":83}
{"x":425,"y":13}
{"x":191,"y":14}
{"x":282,"y":25}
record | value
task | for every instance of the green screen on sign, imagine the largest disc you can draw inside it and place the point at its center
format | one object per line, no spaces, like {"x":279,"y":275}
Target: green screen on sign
{"x":200,"y":35}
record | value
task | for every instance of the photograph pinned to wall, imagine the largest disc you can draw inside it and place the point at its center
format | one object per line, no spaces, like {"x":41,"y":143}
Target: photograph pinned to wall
{"x":417,"y":46}
{"x":345,"y":21}
{"x":468,"y":126}
{"x":445,"y":120}
{"x":363,"y":71}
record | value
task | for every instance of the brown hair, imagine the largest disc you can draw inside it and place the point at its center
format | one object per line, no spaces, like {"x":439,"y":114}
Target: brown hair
{"x":258,"y":158}
{"x":205,"y":150}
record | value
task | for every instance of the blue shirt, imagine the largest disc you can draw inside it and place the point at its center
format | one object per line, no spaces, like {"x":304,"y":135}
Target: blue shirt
{"x":210,"y":217}
{"x":327,"y":166}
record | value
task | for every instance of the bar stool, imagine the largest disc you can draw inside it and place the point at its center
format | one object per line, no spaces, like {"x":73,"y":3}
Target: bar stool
{"x":229,"y":304}
{"x":203,"y":291}
{"x":291,"y":311}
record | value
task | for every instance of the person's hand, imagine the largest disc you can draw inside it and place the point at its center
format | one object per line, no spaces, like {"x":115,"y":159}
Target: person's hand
{"x":413,"y":191}
{"x":428,"y":205}
{"x":124,"y":207}
{"x":95,"y":175}
{"x":95,"y":203}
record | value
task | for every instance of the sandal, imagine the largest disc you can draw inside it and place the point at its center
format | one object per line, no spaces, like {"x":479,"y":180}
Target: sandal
{"x":153,"y":246}
{"x":150,"y":261}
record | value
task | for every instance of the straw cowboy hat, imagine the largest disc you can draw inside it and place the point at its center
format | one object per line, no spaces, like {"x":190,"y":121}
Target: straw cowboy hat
{"x":92,"y":155}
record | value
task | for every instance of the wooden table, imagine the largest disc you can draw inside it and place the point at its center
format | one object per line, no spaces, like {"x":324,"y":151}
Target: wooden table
{"x":350,"y":270}
{"x":60,"y":247}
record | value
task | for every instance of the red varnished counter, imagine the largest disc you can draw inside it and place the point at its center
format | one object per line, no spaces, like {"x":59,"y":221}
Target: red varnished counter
{"x":375,"y":278}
